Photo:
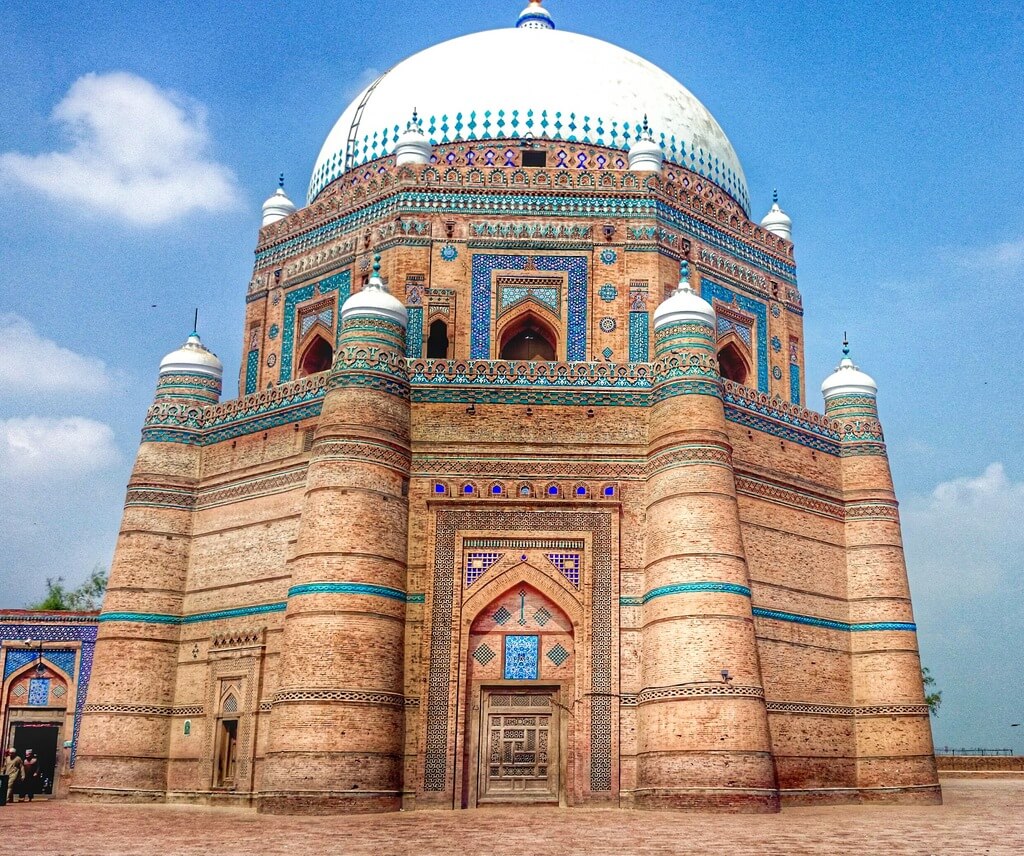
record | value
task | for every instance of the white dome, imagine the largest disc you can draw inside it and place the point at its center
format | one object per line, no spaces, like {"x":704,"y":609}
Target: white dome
{"x":375,"y":301}
{"x":192,"y":357}
{"x":684,"y":305}
{"x":778,"y":221}
{"x":546,"y":83}
{"x":847,"y":379}
{"x":278,"y":206}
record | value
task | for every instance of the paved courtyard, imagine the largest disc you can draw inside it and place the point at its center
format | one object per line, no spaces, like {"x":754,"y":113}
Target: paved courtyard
{"x":979,"y":817}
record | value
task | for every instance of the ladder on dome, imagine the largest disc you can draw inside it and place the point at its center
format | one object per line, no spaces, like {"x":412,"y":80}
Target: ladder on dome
{"x":353,"y":129}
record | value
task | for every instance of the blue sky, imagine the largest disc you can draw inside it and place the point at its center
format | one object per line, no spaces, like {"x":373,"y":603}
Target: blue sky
{"x":893,"y":132}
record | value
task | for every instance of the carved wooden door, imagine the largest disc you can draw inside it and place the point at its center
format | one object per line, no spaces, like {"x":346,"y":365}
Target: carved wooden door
{"x":518,"y":748}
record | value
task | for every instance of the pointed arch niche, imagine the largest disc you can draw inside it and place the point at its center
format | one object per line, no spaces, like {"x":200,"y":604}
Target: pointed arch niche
{"x":527,"y":335}
{"x":521,"y":664}
{"x":316,"y":356}
{"x":733,"y":359}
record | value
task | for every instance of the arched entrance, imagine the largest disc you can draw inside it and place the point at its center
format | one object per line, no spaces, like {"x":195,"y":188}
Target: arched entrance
{"x":520,"y":663}
{"x":37,"y":705}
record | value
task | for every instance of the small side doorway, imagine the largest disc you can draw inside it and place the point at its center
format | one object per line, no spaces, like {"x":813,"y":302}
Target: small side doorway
{"x":519,"y":747}
{"x":41,"y":738}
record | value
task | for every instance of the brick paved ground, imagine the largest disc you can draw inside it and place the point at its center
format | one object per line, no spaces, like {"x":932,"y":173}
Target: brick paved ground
{"x":979,"y":817}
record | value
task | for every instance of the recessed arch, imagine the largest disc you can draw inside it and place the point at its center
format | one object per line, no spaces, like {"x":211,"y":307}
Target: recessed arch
{"x":528,"y":337}
{"x":733,"y":364}
{"x":438,"y":342}
{"x":317,"y":356}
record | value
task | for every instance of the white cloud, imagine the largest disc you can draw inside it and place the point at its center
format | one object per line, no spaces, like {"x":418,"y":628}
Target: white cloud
{"x":37,"y":448}
{"x":138,"y":153}
{"x":1005,"y":257}
{"x":30,"y":363}
{"x":965,"y":538}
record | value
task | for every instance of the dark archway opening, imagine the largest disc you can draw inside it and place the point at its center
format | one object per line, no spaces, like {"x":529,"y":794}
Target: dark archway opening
{"x":530,"y":341}
{"x":437,"y":341}
{"x":317,"y":357}
{"x":731,"y":364}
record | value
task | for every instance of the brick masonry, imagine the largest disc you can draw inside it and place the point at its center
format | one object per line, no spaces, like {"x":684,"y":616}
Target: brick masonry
{"x":297,"y":565}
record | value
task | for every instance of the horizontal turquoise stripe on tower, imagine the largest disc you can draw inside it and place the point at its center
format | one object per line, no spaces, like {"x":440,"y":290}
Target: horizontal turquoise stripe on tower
{"x":196,"y":618}
{"x":690,"y":588}
{"x":347,"y":588}
{"x":829,"y":624}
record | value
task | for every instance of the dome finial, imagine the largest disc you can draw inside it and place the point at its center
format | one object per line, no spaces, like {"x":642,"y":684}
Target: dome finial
{"x":376,"y":266}
{"x":645,"y":155}
{"x":413,"y":147}
{"x":776,"y":220}
{"x":535,"y":17}
{"x":280,"y":181}
{"x":846,"y":345}
{"x":775,"y":196}
{"x":278,"y":206}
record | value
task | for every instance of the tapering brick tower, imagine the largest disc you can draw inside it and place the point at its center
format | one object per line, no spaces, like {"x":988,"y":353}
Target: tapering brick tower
{"x":703,"y":728}
{"x":895,"y":756}
{"x":126,"y":723}
{"x":336,"y":731}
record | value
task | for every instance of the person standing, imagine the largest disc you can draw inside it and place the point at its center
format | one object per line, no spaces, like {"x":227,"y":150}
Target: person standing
{"x":30,"y":774}
{"x":13,"y":769}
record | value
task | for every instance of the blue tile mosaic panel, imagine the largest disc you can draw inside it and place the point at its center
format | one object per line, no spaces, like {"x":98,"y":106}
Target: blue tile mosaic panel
{"x":711,"y":291}
{"x":414,"y":333}
{"x":340,"y":282}
{"x":608,"y":292}
{"x":252,"y":370}
{"x":639,"y":337}
{"x":728,"y":325}
{"x":521,"y":658}
{"x":794,"y":383}
{"x":39,"y":692}
{"x":484,"y":265}
{"x":477,"y":564}
{"x":568,"y":565}
{"x":17,"y":658}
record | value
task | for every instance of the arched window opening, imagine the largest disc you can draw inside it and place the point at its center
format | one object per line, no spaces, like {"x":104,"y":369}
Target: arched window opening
{"x":529,"y":341}
{"x":317,"y":357}
{"x":731,"y":364}
{"x":437,"y":341}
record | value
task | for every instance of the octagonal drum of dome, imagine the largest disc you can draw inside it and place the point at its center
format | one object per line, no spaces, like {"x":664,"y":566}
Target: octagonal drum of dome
{"x":515,"y":83}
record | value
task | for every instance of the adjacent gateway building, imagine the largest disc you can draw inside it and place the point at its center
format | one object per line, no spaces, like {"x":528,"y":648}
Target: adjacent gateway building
{"x":519,"y":501}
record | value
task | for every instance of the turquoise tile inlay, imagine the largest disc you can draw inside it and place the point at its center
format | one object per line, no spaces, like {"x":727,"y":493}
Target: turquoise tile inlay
{"x":521,"y":660}
{"x":698,"y":587}
{"x":794,"y":383}
{"x":252,"y":369}
{"x":414,"y":333}
{"x":777,"y":615}
{"x":347,"y":588}
{"x":639,"y":337}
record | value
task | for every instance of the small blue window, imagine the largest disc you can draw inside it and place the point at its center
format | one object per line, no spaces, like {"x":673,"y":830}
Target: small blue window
{"x":609,"y":491}
{"x":553,"y":490}
{"x":468,"y":488}
{"x":440,"y":488}
{"x":496,"y":489}
{"x":581,"y":491}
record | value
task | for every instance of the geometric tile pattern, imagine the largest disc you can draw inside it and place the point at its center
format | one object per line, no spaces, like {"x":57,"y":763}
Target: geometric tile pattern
{"x":477,"y":564}
{"x":639,"y":337}
{"x":608,"y":292}
{"x":521,"y":658}
{"x":542,"y":616}
{"x":414,"y":333}
{"x":480,"y":314}
{"x":483,"y":655}
{"x":794,"y":383}
{"x":558,"y":655}
{"x":501,"y":616}
{"x":727,"y":325}
{"x":568,"y":565}
{"x":19,"y":657}
{"x":252,"y":367}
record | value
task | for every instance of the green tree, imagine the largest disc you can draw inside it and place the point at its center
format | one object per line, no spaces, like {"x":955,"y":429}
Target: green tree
{"x":932,"y":698}
{"x":87,"y":596}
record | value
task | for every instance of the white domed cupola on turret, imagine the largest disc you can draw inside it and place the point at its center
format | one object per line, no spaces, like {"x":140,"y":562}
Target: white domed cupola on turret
{"x":191,"y":372}
{"x":278,"y":206}
{"x":413,"y":147}
{"x":684,"y":305}
{"x":375,"y":301}
{"x":848,"y":379}
{"x":645,"y":155}
{"x":535,"y":17}
{"x":778,"y":221}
